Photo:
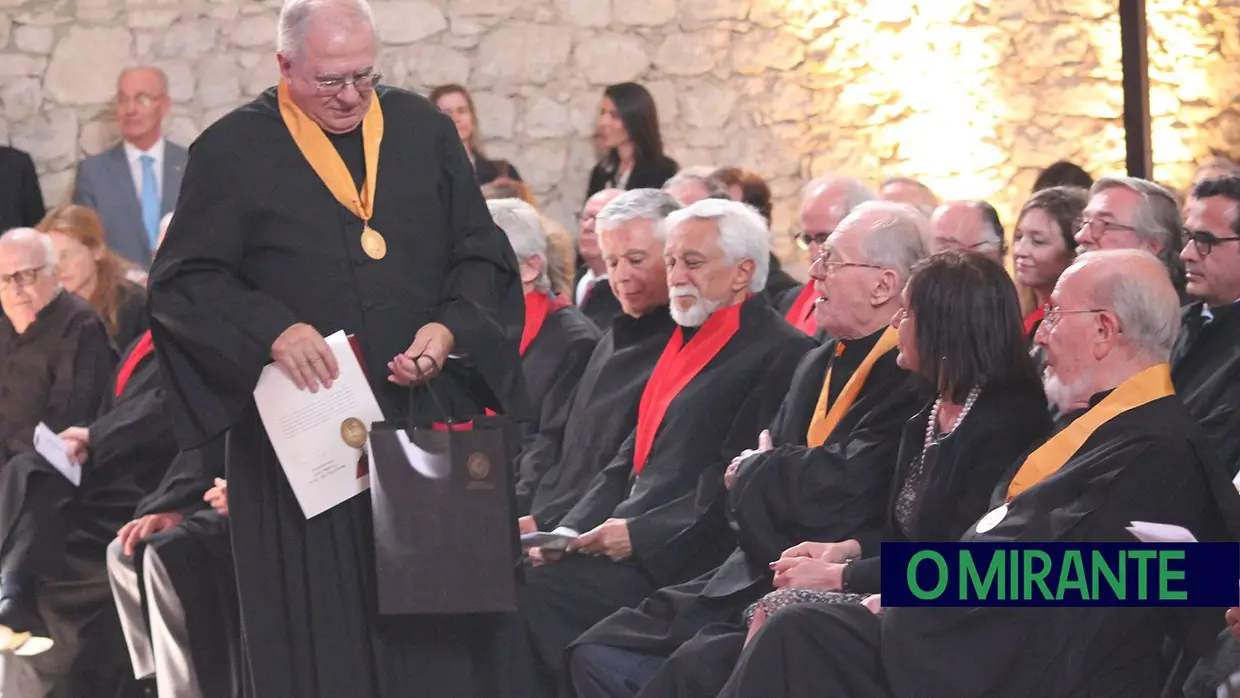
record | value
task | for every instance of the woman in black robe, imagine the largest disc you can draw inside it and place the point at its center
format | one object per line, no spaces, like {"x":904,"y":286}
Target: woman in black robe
{"x":960,"y":330}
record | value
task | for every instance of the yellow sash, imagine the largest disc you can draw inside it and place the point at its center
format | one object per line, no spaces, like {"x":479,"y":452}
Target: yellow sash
{"x":326,"y":162}
{"x":825,"y":421}
{"x":1149,"y":385}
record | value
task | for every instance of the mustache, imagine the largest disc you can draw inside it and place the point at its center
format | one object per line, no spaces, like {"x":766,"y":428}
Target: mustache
{"x":685,"y":292}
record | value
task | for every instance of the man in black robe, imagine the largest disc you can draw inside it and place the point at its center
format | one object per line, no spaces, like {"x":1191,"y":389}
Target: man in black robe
{"x":557,"y":340}
{"x":823,"y":482}
{"x":54,"y":599}
{"x":299,"y":216}
{"x":654,"y":516}
{"x":603,"y":410}
{"x":594,"y":295}
{"x":1139,"y":456}
{"x":171,"y":574}
{"x":55,"y":356}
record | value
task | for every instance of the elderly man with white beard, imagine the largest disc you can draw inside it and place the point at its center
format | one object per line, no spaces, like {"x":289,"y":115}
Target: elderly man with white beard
{"x":654,"y":516}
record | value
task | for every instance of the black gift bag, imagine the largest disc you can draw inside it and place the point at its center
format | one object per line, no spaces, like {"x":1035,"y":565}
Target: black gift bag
{"x":444,"y":522}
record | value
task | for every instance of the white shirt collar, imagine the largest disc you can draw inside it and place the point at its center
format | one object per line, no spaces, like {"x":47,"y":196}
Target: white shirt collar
{"x":132,"y":153}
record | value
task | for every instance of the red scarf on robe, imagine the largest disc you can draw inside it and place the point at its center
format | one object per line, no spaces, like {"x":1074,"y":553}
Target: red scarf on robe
{"x":145,"y":346}
{"x":674,"y":371}
{"x":538,"y":305}
{"x":801,"y":314}
{"x":1032,"y":320}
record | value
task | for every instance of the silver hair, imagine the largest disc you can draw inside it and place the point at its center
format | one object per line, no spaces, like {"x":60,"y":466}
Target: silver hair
{"x":743,"y":233}
{"x":1148,"y":313}
{"x":1156,"y":220}
{"x":896,"y":235}
{"x":525,"y":231}
{"x":31,"y":238}
{"x":159,"y":74}
{"x":639,"y":204}
{"x":295,"y":21}
{"x":713,"y":188}
{"x":853,"y":191}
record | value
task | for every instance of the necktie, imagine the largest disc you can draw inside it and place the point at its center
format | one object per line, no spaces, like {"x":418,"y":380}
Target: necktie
{"x":150,"y":199}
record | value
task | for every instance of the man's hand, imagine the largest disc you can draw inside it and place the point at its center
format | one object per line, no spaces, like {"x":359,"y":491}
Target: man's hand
{"x":78,"y":440}
{"x":539,"y":557}
{"x":139,"y":529}
{"x":425,"y":358}
{"x":305,"y":358}
{"x":526,"y":524}
{"x":610,"y":538}
{"x":874,"y":602}
{"x":808,"y":573}
{"x":217,"y":497}
{"x":764,"y":444}
{"x":827,"y":552}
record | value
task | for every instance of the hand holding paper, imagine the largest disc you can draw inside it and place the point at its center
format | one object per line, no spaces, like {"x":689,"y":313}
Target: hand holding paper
{"x":57,"y":452}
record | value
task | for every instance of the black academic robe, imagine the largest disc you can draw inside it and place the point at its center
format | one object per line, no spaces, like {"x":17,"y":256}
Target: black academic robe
{"x":553,"y":364}
{"x":488,"y":171}
{"x":600,"y":304}
{"x":781,"y":289}
{"x":131,"y":318}
{"x":675,"y":508}
{"x":58,"y":533}
{"x":259,"y":244}
{"x":1206,"y":374}
{"x":601,"y":414}
{"x":56,"y":372}
{"x":780,"y":498}
{"x":1151,"y":463}
{"x":21,"y":199}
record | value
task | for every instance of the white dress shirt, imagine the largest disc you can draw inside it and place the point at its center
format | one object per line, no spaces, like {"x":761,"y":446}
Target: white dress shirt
{"x":584,"y":284}
{"x":133,"y":156}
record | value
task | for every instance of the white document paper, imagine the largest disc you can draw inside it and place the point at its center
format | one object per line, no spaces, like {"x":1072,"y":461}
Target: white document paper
{"x":1236,"y":481}
{"x":1148,"y":532}
{"x":546,"y":541}
{"x":53,"y":448}
{"x":307,"y":430}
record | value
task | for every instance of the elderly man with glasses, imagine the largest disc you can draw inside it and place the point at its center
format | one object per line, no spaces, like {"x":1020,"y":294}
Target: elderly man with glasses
{"x":970,"y":226}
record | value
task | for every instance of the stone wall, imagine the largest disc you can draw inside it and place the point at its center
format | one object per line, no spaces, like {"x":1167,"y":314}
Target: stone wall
{"x":972,"y":96}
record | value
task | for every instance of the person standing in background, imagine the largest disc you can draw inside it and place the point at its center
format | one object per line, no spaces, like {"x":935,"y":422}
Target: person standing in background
{"x":21,"y":205}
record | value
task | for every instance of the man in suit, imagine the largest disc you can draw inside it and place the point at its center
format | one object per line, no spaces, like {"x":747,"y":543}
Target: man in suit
{"x":21,"y":201}
{"x":593,"y":294}
{"x":134,"y":183}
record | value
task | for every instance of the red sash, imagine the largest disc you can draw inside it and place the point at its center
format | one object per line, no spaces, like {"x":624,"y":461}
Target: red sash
{"x":538,"y":305}
{"x":1032,"y":320}
{"x":801,"y":314}
{"x":674,"y":371}
{"x":145,"y":346}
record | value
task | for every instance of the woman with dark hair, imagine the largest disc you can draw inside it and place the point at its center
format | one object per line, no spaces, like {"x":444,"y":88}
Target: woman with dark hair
{"x":960,"y":331}
{"x":456,"y":102}
{"x":628,"y":131}
{"x":1043,"y":246}
{"x":1063,"y":174}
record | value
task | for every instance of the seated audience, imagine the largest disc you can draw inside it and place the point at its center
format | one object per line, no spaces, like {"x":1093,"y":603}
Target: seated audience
{"x":1126,"y":213}
{"x":1136,"y":456}
{"x":1062,"y":174}
{"x":561,"y":257}
{"x":1219,"y":164}
{"x":989,"y":410}
{"x":632,"y":145}
{"x":603,"y":410}
{"x":593,"y":295}
{"x":56,"y":351}
{"x":822,"y":470}
{"x":906,"y":190}
{"x":509,"y":189}
{"x":1042,"y":244}
{"x":825,"y":202}
{"x":557,"y":341}
{"x":747,"y":187}
{"x":690,"y":188}
{"x":87,"y":267}
{"x":21,"y":204}
{"x":972,"y":226}
{"x":171,"y":575}
{"x":457,"y":103}
{"x":653,"y":516}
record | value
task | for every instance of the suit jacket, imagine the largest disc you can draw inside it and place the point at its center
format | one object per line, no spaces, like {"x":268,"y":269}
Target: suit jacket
{"x":646,"y":174}
{"x":104,"y":183}
{"x":22,"y":202}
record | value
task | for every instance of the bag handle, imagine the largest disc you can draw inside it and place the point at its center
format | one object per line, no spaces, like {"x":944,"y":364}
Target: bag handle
{"x":447,"y":417}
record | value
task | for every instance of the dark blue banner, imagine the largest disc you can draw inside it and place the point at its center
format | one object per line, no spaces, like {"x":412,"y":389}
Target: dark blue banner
{"x":1061,"y":574}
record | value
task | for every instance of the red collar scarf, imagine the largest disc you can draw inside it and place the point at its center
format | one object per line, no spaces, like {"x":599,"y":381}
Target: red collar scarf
{"x":1032,"y":320}
{"x":801,"y":314}
{"x":145,"y":346}
{"x":674,"y":371}
{"x":538,"y":305}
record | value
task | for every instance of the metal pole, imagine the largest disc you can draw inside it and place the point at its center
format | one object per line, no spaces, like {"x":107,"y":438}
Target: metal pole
{"x":1134,"y":38}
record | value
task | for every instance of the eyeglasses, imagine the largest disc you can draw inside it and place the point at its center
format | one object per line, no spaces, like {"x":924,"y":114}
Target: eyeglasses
{"x":362,"y":82}
{"x":953,"y":244}
{"x":1204,"y":241}
{"x":830,"y":268}
{"x":584,"y":218}
{"x":23,"y":278}
{"x":1099,"y":226}
{"x":804,"y":239}
{"x":1051,"y":315}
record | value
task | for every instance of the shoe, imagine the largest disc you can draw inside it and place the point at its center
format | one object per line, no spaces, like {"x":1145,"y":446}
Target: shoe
{"x":22,"y":630}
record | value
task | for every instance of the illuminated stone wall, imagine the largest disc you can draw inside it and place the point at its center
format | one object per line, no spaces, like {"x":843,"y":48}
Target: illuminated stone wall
{"x":973,"y":97}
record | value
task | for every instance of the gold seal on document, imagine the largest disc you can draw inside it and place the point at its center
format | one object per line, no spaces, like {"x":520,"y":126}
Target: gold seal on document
{"x":479,"y":466}
{"x":353,"y":432}
{"x":373,"y":243}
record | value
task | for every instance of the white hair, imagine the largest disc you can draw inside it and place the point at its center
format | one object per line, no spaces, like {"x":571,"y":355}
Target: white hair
{"x":639,"y":204}
{"x":852,"y":192}
{"x":896,"y":235}
{"x":743,"y":233}
{"x":295,"y":19}
{"x":1148,"y":309}
{"x":525,"y":231}
{"x":1157,"y":220}
{"x":32,"y":239}
{"x":157,"y":72}
{"x":714,"y":189}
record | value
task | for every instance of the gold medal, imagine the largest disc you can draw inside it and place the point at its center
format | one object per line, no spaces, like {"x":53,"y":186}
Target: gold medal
{"x":353,"y":431}
{"x":373,"y":243}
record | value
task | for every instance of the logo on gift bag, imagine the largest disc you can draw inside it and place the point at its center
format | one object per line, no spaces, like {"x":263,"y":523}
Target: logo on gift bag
{"x":479,"y":467}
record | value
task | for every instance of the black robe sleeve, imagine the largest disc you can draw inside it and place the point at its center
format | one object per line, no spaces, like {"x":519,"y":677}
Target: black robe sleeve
{"x":131,"y":319}
{"x":606,"y":492}
{"x":213,"y":334}
{"x":132,"y":427}
{"x":31,"y":195}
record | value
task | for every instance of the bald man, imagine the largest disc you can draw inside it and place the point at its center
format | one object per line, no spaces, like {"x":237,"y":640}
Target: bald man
{"x":906,"y":190}
{"x":595,"y":299}
{"x":134,"y":183}
{"x":972,"y":226}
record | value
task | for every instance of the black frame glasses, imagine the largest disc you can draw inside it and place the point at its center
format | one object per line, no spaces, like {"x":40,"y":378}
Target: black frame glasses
{"x":804,"y":239}
{"x":1205,"y":241}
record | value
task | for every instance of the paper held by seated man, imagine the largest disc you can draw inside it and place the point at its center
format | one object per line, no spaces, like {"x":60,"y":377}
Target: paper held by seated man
{"x":319,"y":436}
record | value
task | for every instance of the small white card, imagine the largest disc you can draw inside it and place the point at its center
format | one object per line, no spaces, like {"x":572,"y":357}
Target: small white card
{"x":54,"y":449}
{"x":1148,"y":532}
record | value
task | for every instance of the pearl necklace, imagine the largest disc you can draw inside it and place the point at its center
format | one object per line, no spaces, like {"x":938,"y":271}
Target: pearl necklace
{"x":934,"y":418}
